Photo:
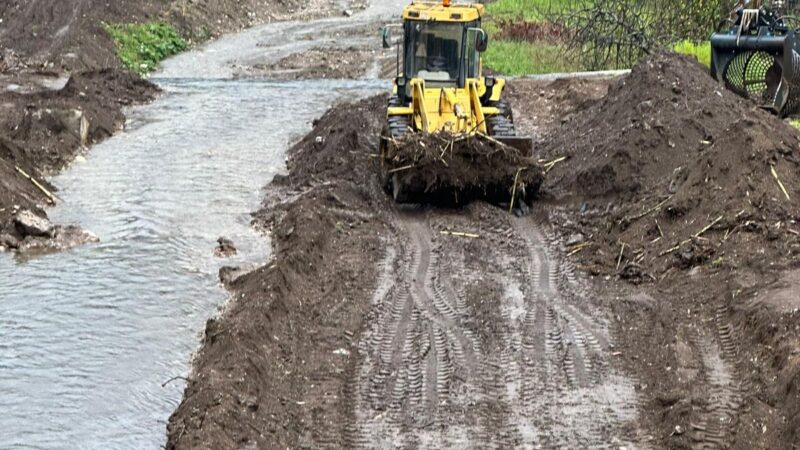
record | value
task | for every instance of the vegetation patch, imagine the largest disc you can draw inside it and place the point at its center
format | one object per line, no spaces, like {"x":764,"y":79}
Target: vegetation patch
{"x":700,"y":50}
{"x":524,"y":42}
{"x":526,"y":58}
{"x":141,"y":47}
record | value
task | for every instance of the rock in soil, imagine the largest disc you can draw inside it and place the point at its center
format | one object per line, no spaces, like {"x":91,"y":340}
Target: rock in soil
{"x":30,"y":224}
{"x":64,"y":238}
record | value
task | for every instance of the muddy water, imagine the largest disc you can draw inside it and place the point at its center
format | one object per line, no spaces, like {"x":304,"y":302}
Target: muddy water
{"x":87,"y":338}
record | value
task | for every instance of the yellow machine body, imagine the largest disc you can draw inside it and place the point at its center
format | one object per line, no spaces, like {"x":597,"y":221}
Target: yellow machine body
{"x":449,"y":109}
{"x":440,"y":88}
{"x":456,"y":98}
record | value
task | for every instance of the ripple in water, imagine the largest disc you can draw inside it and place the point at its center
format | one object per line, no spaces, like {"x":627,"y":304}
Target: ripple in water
{"x":88,"y":337}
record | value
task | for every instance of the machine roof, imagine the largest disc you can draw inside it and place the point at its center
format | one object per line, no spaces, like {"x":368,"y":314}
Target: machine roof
{"x":437,"y":11}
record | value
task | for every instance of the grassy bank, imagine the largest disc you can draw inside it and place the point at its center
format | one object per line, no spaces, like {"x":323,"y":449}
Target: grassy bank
{"x":524,"y":42}
{"x":141,"y":47}
{"x":521,"y":43}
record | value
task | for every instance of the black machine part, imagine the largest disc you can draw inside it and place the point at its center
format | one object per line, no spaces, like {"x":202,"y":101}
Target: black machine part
{"x":757,"y":56}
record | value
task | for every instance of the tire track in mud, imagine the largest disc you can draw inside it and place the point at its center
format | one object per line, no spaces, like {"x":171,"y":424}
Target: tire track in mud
{"x":416,"y":354}
{"x":424,"y":380}
{"x":566,"y":355}
{"x":713,"y":428}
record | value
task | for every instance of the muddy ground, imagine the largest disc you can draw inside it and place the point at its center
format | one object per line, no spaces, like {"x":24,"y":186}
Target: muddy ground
{"x":62,"y":87}
{"x":380,"y":326}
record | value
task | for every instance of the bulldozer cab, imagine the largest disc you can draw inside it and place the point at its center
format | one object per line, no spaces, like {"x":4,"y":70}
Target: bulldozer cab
{"x":441,"y":53}
{"x":440,"y":44}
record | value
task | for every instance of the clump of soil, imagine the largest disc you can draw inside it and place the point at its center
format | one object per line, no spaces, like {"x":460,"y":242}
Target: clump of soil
{"x":460,"y":168}
{"x":679,"y":171}
{"x":273,"y":369}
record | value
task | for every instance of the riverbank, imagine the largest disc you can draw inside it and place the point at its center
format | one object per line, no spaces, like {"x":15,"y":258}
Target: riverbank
{"x":63,"y":89}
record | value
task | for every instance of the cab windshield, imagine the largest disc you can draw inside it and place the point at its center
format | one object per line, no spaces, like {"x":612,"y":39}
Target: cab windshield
{"x":434,"y":53}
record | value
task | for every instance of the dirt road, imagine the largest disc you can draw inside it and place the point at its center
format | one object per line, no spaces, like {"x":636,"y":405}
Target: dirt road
{"x":488,"y":344}
{"x":380,"y":326}
{"x":410,"y":335}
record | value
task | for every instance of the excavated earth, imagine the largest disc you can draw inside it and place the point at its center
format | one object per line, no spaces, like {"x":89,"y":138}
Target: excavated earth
{"x":380,"y":326}
{"x":621,"y":312}
{"x":689,"y":193}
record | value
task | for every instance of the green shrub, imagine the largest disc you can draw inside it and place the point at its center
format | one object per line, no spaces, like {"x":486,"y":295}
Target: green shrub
{"x":141,"y":47}
{"x":700,"y":50}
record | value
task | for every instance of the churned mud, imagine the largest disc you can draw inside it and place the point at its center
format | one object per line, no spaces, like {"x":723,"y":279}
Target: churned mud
{"x":378,"y":326}
{"x":383,"y":326}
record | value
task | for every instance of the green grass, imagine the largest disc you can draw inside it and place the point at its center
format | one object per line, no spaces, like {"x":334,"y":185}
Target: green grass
{"x":795,"y":123}
{"x":522,"y":58}
{"x":141,"y":47}
{"x":525,"y":58}
{"x":521,"y":9}
{"x":700,"y":50}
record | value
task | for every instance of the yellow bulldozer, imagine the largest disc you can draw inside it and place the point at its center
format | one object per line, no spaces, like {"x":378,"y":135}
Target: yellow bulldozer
{"x":440,"y":91}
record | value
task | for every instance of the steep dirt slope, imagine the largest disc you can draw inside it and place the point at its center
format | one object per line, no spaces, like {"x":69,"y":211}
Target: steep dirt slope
{"x":682,"y":188}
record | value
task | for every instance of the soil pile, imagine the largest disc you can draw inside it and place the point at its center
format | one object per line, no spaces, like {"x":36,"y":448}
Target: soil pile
{"x":678,"y":171}
{"x":273,"y":369}
{"x":458,"y":168}
{"x":673,"y":180}
{"x":42,"y":133}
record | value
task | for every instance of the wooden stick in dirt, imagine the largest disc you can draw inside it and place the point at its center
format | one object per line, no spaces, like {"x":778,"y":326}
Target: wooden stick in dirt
{"x":460,"y":234}
{"x":710,"y":226}
{"x":621,"y":253}
{"x":648,"y":212}
{"x":579,"y":248}
{"x":400,"y":169}
{"x":50,"y":197}
{"x":548,"y":166}
{"x":780,"y":183}
{"x":491,"y":139}
{"x":514,"y":191}
{"x":671,"y":250}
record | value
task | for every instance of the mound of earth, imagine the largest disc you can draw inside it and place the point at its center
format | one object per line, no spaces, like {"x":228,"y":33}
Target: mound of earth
{"x":690,"y":192}
{"x":458,"y":168}
{"x":679,"y":172}
{"x":273,"y":370}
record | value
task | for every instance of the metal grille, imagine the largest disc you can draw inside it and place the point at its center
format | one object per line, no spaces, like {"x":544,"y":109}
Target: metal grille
{"x":793,"y":76}
{"x":761,"y":77}
{"x":747,"y":74}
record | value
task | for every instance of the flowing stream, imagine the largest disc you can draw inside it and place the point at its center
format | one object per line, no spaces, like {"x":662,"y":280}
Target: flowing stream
{"x":88,"y":337}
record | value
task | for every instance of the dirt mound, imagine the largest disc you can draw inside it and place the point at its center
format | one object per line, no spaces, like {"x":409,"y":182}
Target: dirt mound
{"x":457,"y":168}
{"x":272,"y":371}
{"x":677,"y":170}
{"x":42,"y":133}
{"x":673,"y":180}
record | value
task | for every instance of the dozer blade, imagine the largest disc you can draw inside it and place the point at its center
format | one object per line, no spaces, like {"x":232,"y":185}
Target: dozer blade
{"x":759,"y":67}
{"x":447,"y":169}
